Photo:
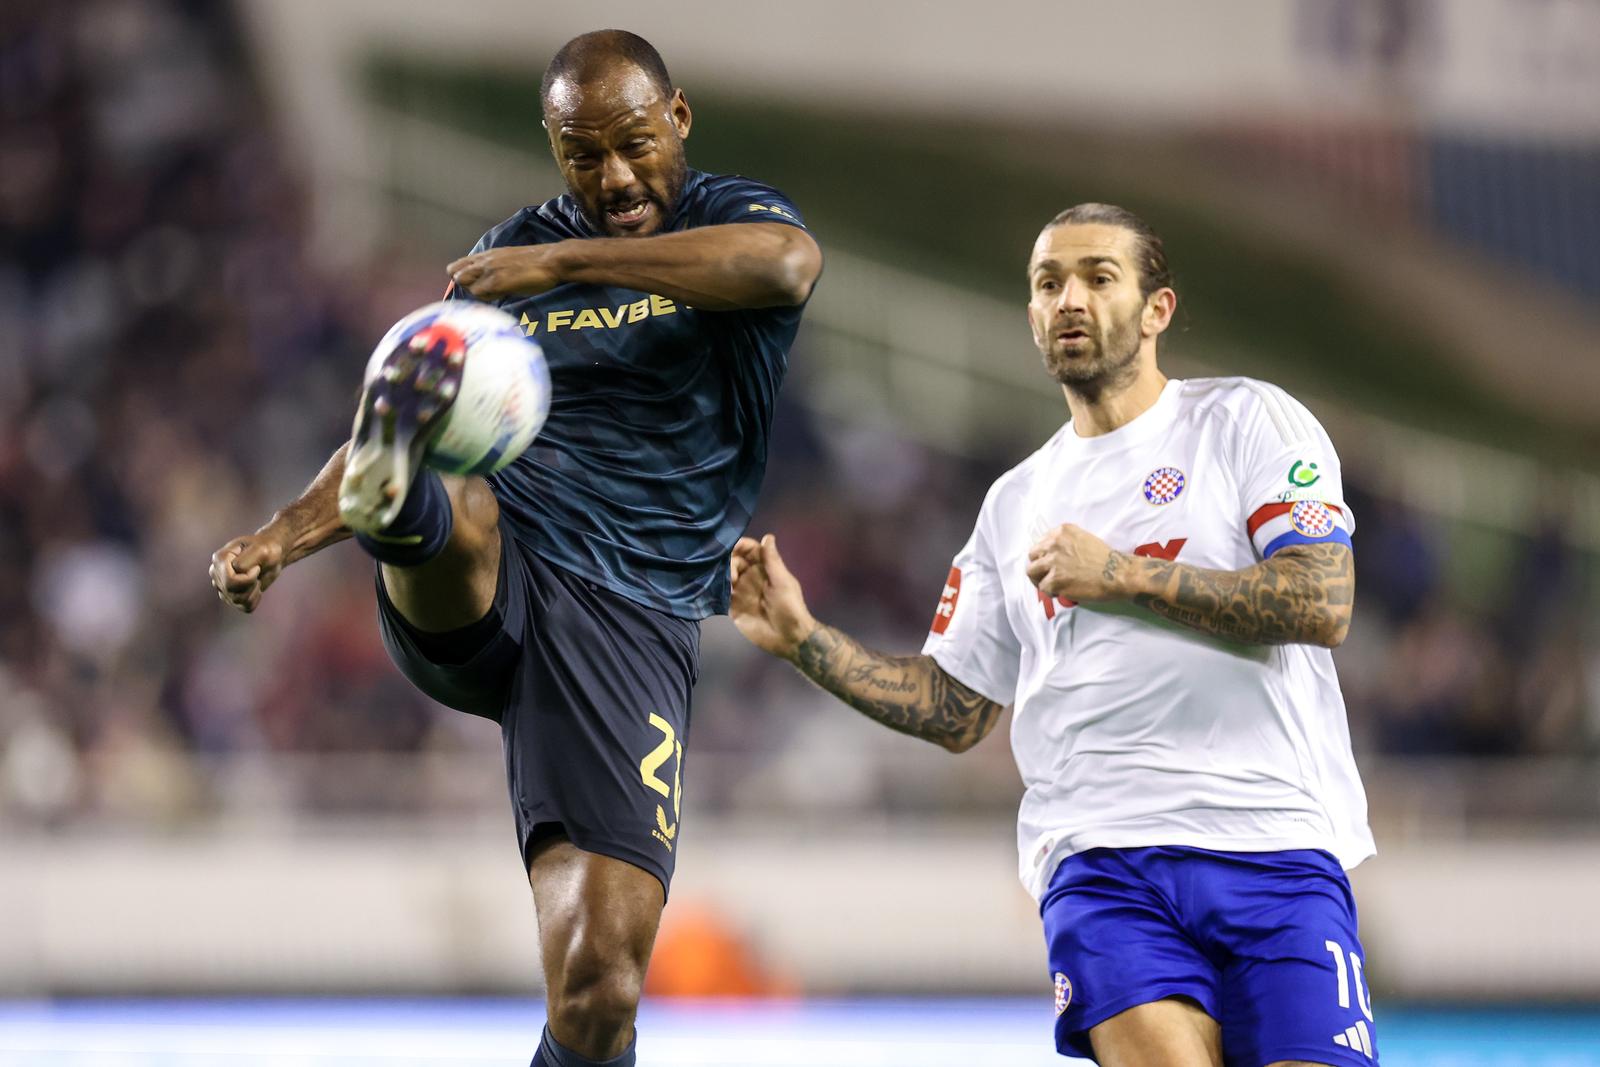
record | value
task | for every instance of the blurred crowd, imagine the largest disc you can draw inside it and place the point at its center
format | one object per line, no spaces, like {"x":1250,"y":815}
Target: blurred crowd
{"x":175,"y":367}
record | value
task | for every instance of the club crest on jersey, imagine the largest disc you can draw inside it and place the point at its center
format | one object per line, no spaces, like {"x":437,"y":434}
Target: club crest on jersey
{"x":1063,"y":992}
{"x":1312,"y":518}
{"x":1164,"y":485}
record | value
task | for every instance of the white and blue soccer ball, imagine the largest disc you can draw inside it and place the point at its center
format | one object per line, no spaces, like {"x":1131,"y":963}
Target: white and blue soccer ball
{"x":504,"y":393}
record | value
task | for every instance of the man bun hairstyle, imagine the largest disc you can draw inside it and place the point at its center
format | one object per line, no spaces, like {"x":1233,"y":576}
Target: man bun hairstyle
{"x":1149,"y":253}
{"x":591,"y":52}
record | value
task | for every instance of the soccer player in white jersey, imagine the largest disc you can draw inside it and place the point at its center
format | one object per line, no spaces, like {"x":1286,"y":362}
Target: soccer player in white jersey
{"x":1155,"y":593}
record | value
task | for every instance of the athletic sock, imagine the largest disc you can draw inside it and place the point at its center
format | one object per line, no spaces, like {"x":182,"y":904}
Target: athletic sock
{"x":420,"y":531}
{"x":553,"y":1053}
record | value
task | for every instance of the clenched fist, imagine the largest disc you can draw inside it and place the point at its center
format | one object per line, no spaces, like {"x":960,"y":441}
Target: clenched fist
{"x":768,"y":607}
{"x":1071,"y":562}
{"x":242,"y":569}
{"x":497,"y":272}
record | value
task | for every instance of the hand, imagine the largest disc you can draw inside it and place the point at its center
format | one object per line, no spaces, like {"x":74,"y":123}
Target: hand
{"x":242,"y":569}
{"x":768,"y":607}
{"x":1071,"y":562}
{"x":497,"y":272}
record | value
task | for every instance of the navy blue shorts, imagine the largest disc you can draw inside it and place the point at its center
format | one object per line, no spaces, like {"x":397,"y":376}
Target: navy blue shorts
{"x":1265,"y":942}
{"x":591,"y":691}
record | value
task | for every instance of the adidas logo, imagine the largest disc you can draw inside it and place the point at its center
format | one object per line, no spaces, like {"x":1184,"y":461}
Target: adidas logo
{"x":1357,"y":1037}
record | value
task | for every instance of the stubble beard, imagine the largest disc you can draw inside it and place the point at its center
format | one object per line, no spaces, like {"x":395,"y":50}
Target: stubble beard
{"x":666,"y":205}
{"x":1108,"y":367}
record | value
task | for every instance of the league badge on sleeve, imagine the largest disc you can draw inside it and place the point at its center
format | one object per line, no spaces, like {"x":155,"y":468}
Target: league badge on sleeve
{"x":947,"y":601}
{"x":1164,"y":485}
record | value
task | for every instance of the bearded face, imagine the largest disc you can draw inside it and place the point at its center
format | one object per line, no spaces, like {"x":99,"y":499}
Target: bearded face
{"x":1085,"y":305}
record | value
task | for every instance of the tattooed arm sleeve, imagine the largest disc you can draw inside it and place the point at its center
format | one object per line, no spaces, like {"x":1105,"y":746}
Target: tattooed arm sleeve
{"x":911,"y":694}
{"x":1303,"y":594}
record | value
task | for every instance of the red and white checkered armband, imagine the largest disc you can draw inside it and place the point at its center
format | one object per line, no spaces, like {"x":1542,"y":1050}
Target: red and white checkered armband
{"x":1303,"y":522}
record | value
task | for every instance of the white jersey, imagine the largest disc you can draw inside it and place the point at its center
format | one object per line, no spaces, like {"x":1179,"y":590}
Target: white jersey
{"x":1131,"y":731}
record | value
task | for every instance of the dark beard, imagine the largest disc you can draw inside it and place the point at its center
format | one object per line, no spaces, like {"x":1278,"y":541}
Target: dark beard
{"x":1112,"y":366}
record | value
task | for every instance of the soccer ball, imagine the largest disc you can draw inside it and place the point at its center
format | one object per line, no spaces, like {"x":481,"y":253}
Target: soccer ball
{"x":503,"y":396}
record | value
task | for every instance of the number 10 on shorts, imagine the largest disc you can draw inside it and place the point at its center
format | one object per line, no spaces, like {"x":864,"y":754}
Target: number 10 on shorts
{"x":669,"y":748}
{"x":1349,"y":977}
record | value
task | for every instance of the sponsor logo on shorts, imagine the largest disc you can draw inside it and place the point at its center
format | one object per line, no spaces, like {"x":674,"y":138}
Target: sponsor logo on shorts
{"x":1164,"y":485}
{"x":664,"y":831}
{"x":1357,"y":1037}
{"x":1063,"y":992}
{"x":1312,"y":518}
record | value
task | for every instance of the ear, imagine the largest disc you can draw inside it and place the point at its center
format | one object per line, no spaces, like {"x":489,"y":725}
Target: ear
{"x":1158,"y":311}
{"x":682,"y":117}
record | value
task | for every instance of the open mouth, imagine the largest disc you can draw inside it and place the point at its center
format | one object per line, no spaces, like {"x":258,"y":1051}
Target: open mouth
{"x":629,"y":214}
{"x":1072,"y":336}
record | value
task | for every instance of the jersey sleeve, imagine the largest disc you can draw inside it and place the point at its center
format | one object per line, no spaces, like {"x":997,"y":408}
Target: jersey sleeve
{"x":1291,"y":487}
{"x":456,"y":292}
{"x":971,"y":638}
{"x":739,"y":199}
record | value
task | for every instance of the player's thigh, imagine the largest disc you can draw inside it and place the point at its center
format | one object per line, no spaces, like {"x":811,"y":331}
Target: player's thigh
{"x":457,"y":587}
{"x":593,"y":909}
{"x":470,"y":669}
{"x":1123,"y":963}
{"x":1295,"y":989}
{"x":1174,"y":1032}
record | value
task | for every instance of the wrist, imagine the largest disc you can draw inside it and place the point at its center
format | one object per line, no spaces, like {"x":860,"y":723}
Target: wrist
{"x":807,"y":630}
{"x":1130,"y":576}
{"x":563,"y":259}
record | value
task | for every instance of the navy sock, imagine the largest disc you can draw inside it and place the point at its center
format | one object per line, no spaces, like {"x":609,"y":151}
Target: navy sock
{"x":553,"y":1053}
{"x":420,"y":531}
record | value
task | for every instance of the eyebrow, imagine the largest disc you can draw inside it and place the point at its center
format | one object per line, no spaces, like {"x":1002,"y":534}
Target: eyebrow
{"x":1085,"y":261}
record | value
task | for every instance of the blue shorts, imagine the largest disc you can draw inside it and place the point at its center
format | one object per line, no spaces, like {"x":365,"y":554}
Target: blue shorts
{"x":1264,"y":942}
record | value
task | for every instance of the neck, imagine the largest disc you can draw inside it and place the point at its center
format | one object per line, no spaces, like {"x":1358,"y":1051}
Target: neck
{"x":1100,"y":411}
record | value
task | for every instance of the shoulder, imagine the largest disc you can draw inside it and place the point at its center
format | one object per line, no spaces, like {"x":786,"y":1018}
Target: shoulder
{"x":556,"y":219}
{"x":713,"y":196}
{"x":1248,"y":404}
{"x":1011,"y":488}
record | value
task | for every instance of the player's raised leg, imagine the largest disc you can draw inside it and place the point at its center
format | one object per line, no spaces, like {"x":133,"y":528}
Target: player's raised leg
{"x":597,"y":923}
{"x":437,"y":537}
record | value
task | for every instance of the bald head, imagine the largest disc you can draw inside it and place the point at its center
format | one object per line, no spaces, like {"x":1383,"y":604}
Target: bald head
{"x":603,"y":55}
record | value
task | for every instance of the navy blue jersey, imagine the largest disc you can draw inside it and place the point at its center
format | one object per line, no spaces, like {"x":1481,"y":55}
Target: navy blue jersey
{"x":649,"y":465}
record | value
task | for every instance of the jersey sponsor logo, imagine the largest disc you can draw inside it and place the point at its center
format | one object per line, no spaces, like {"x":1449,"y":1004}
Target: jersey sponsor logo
{"x":1167,"y":550}
{"x":1158,"y":550}
{"x":774,"y":209}
{"x":1312,"y":518}
{"x":1063,"y":992}
{"x":1303,"y":475}
{"x":1050,"y":603}
{"x":598,"y":318}
{"x":1164,"y":485}
{"x":947,"y":602}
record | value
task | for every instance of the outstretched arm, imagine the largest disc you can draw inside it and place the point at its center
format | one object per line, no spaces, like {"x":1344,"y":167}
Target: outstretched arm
{"x":1304,"y":594}
{"x":718,"y":268}
{"x":242,"y":569}
{"x":911,"y":694}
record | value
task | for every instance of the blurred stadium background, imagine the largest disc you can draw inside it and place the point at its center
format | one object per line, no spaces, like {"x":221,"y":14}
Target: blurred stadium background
{"x":209,"y":211}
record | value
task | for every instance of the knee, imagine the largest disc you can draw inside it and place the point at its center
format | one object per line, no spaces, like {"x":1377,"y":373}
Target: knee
{"x":593,"y":999}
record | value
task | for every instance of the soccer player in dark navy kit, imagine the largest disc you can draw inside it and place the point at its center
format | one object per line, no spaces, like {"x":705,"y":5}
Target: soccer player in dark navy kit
{"x":562,"y":596}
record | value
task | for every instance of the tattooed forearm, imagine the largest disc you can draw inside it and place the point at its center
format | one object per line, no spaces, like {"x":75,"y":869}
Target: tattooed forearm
{"x":1302,"y":595}
{"x":911,"y":694}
